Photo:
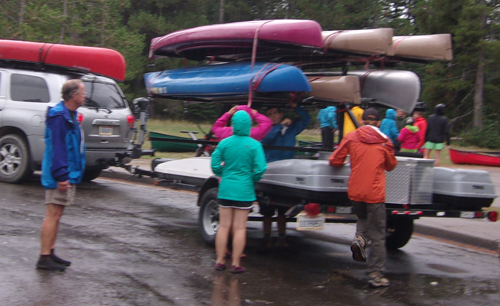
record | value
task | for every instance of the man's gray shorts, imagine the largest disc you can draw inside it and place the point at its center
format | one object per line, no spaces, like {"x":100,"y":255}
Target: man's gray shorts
{"x":53,"y":196}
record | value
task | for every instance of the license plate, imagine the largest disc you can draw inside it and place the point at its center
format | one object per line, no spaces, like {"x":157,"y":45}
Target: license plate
{"x":105,"y":130}
{"x":467,"y":214}
{"x":309,"y":223}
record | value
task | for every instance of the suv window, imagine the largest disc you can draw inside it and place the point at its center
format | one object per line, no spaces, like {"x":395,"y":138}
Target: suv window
{"x":103,"y":95}
{"x":28,"y":88}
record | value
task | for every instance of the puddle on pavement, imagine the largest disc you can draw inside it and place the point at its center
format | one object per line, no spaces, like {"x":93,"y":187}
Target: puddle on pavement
{"x":447,"y":269}
{"x":339,"y":289}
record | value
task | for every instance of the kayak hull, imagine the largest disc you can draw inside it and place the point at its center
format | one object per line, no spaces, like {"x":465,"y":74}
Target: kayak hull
{"x":100,"y":61}
{"x":475,"y":158}
{"x":396,"y":89}
{"x":225,"y":80}
{"x":236,"y":38}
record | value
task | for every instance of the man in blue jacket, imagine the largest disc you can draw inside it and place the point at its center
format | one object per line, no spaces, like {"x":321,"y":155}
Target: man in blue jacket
{"x":62,"y":167}
{"x":282,"y":133}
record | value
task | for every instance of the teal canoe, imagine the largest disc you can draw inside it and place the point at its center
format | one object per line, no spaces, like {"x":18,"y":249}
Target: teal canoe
{"x":169,"y":145}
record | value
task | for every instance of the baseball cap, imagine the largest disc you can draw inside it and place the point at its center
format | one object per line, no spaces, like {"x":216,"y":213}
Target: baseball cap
{"x":371,"y":114}
{"x":410,"y":121}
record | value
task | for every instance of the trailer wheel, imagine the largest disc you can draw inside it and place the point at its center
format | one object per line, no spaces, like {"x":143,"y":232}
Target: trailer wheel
{"x":208,"y":218}
{"x":14,"y":159}
{"x":399,"y":231}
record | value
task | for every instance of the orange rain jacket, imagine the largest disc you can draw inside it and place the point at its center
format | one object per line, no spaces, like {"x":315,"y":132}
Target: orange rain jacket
{"x":371,"y":153}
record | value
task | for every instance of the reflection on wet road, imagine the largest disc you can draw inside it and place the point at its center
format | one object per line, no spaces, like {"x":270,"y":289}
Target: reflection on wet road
{"x":139,"y":245}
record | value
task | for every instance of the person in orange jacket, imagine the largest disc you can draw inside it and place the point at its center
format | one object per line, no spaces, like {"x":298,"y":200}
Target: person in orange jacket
{"x":371,"y":154}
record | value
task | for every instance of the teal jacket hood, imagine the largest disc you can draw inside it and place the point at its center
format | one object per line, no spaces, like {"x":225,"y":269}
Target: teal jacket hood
{"x":390,"y":114}
{"x":242,"y":123}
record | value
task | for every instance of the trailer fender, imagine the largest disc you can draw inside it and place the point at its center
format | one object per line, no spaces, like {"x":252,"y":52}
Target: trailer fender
{"x":211,"y":182}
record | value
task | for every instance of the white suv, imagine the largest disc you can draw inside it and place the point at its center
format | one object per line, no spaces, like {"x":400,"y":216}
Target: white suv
{"x":25,"y":96}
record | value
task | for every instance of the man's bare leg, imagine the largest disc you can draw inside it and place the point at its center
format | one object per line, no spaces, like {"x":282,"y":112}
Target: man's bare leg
{"x":50,"y":227}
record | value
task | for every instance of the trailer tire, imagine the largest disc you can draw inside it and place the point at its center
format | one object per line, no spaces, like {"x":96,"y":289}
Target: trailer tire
{"x":208,"y":217}
{"x":399,"y":231}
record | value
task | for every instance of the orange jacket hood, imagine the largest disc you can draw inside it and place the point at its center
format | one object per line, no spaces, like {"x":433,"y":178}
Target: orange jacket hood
{"x":370,"y":135}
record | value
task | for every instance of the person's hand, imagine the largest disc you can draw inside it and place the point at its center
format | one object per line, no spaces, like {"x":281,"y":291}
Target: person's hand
{"x":232,"y":110}
{"x":62,"y":187}
{"x":254,"y":112}
{"x":286,"y":122}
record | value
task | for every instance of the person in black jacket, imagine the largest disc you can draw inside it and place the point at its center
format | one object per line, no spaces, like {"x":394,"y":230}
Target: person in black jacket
{"x":436,"y":134}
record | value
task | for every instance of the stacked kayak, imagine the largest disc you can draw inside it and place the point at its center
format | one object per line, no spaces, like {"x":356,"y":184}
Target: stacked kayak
{"x":242,"y":58}
{"x":228,"y":80}
{"x":100,"y":61}
{"x":274,"y":37}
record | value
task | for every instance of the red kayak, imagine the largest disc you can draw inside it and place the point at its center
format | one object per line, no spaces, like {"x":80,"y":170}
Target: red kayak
{"x":475,"y":158}
{"x":237,"y":38}
{"x":101,"y":61}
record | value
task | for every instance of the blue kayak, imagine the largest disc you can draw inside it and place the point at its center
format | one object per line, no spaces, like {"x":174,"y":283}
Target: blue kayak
{"x":226,"y":80}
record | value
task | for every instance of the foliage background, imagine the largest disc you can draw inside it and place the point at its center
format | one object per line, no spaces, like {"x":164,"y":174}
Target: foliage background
{"x":468,"y":85}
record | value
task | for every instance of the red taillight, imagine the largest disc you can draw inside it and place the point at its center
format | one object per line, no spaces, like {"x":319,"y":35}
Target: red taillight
{"x":493,"y":216}
{"x":79,"y":118}
{"x":130,"y":121}
{"x":330,"y":209}
{"x":312,"y":209}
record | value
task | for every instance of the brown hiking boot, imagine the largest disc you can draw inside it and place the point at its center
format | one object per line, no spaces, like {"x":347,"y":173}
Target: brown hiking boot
{"x":377,"y":279}
{"x":358,"y":249}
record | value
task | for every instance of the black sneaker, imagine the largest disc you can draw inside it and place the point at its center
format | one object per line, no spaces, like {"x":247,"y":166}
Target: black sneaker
{"x":49,"y":265}
{"x":60,"y":260}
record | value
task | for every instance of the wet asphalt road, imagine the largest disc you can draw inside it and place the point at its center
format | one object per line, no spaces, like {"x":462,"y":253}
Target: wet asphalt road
{"x":134,"y":244}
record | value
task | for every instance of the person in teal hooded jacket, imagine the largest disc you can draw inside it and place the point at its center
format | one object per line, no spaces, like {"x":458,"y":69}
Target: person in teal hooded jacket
{"x":240,"y":162}
{"x":389,"y":126}
{"x":327,"y":118}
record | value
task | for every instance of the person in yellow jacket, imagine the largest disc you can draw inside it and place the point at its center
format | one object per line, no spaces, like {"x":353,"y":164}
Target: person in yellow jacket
{"x":348,"y":124}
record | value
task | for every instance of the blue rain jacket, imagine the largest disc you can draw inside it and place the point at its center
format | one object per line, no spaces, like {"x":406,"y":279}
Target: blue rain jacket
{"x":283,"y":136}
{"x":389,"y":126}
{"x":64,"y":155}
{"x":327,"y":117}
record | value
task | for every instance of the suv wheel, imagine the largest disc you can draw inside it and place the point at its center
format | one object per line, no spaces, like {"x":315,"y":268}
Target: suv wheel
{"x":14,"y":159}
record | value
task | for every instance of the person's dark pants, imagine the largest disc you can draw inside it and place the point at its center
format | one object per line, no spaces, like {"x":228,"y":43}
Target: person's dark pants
{"x":371,"y":225}
{"x":327,"y":137}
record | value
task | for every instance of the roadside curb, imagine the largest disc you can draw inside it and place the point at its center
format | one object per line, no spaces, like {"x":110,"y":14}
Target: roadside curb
{"x":488,"y":244}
